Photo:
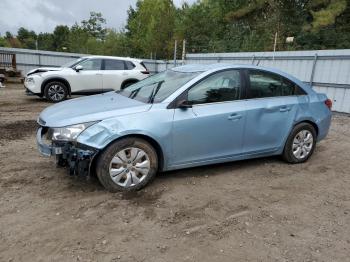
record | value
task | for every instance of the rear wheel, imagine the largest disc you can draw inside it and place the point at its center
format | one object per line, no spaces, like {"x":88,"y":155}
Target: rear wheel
{"x":300,"y":144}
{"x":128,"y":83}
{"x":55,"y":91}
{"x":127,"y":165}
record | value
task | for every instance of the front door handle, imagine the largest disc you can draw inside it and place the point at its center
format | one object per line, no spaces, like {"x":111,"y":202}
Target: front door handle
{"x":98,"y":74}
{"x":284,"y":109}
{"x":234,"y":116}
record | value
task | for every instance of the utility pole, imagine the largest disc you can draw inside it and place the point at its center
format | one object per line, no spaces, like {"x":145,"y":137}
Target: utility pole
{"x":175,"y":52}
{"x":183,"y":51}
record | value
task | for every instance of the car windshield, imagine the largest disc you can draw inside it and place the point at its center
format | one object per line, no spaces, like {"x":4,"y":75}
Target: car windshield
{"x":73,"y":63}
{"x":156,"y":88}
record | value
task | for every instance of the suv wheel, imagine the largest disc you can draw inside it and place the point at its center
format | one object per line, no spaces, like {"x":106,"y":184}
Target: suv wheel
{"x":55,"y":91}
{"x":300,"y":144}
{"x":127,"y":165}
{"x":128,"y":83}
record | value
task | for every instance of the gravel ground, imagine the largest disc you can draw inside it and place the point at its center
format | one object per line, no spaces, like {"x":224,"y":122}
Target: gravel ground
{"x":256,"y":210}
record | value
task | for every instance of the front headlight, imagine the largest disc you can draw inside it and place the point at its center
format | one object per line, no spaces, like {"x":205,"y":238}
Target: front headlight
{"x":68,"y":133}
{"x":30,"y":80}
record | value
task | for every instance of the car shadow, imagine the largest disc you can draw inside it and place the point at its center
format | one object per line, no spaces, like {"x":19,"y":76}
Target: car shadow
{"x":218,"y":169}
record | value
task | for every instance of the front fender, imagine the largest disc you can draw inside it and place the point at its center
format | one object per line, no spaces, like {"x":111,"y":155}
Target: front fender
{"x":102,"y":134}
{"x":151,"y":125}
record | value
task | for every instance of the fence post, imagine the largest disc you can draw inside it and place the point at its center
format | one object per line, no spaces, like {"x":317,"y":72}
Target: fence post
{"x":39,"y":58}
{"x":175,"y":52}
{"x":253,"y":58}
{"x":155,"y":67}
{"x":313,"y":70}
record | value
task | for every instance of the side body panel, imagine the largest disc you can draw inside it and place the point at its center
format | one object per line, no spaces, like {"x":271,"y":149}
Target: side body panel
{"x":207,"y":132}
{"x":85,"y":81}
{"x":268,"y":123}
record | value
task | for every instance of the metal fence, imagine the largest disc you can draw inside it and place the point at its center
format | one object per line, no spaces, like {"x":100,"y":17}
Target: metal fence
{"x":27,"y":60}
{"x":328,"y":71}
{"x":7,"y":60}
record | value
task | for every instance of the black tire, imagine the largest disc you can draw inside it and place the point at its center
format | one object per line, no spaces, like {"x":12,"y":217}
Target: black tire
{"x":288,"y":154}
{"x":128,"y":83}
{"x":55,"y":91}
{"x":104,"y":162}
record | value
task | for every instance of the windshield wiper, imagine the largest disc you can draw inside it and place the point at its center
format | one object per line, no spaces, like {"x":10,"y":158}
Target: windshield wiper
{"x":155,"y":92}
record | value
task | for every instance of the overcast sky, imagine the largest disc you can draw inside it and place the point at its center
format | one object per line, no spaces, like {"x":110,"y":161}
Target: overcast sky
{"x":44,"y":15}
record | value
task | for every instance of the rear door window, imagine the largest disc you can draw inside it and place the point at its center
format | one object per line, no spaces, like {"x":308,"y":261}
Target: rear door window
{"x":113,"y":64}
{"x":129,"y":65}
{"x":265,"y":84}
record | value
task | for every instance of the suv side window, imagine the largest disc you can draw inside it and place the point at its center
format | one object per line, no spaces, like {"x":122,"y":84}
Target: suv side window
{"x":265,"y":84}
{"x":113,"y":64}
{"x":91,"y":64}
{"x":220,"y":87}
{"x":129,"y":65}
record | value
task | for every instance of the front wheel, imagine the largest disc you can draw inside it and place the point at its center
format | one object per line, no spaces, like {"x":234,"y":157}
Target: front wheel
{"x":300,"y":144}
{"x":55,"y":92}
{"x":127,"y":165}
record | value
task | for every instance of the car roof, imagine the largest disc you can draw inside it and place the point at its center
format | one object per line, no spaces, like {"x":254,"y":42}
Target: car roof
{"x":192,"y":68}
{"x":114,"y":57}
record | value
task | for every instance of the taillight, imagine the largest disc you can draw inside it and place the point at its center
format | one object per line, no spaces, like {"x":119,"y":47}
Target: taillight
{"x":145,"y":72}
{"x":329,"y":103}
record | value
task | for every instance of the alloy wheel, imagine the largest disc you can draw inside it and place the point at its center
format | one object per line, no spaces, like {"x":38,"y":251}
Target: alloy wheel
{"x":302,"y":144}
{"x":56,"y":92}
{"x":129,"y":167}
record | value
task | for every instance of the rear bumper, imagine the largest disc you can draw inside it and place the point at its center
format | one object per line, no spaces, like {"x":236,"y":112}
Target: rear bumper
{"x":324,"y":126}
{"x":77,"y":158}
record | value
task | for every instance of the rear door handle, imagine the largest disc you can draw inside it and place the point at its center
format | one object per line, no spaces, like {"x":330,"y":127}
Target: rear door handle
{"x":284,"y":109}
{"x":98,"y":74}
{"x":234,"y":116}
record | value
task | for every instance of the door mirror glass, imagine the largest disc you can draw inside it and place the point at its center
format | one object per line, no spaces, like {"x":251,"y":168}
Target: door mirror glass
{"x":79,"y":68}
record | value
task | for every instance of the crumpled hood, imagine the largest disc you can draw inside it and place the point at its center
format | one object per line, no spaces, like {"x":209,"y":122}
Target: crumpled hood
{"x":91,"y":108}
{"x":43,"y":70}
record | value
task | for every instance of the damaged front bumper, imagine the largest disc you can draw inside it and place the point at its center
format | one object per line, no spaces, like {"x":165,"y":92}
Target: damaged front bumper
{"x":77,"y":157}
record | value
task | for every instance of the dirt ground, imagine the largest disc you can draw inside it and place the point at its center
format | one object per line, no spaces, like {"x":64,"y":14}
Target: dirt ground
{"x":256,"y":210}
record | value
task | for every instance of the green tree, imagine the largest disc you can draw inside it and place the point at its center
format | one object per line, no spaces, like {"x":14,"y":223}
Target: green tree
{"x":26,"y":38}
{"x":117,"y":43}
{"x":78,"y":38}
{"x":46,"y":42}
{"x":95,"y":25}
{"x":151,"y":28}
{"x":4,"y":42}
{"x":61,"y":38}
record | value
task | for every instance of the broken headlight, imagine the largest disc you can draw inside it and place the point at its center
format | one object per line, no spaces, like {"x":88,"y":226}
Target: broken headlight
{"x":68,"y":133}
{"x":30,"y":80}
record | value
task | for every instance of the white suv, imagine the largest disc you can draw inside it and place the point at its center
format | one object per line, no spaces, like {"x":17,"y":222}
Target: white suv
{"x":87,"y":75}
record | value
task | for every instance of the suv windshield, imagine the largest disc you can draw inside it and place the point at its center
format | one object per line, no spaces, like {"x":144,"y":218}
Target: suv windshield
{"x":73,"y":63}
{"x":156,"y":88}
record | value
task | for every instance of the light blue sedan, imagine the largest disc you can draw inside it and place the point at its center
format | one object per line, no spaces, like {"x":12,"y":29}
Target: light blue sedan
{"x":187,"y":116}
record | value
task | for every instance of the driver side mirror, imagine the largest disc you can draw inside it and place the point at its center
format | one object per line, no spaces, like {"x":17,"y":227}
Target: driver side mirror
{"x":184,"y":104}
{"x":78,"y":68}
